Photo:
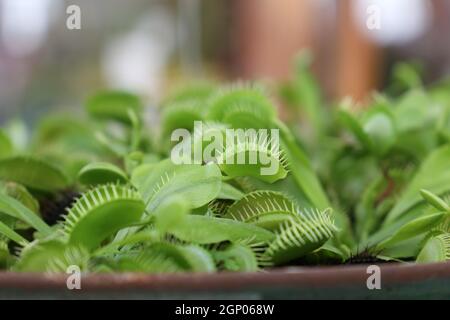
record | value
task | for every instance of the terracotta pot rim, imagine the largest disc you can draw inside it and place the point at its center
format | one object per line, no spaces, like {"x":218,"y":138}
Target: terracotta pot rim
{"x":319,"y":277}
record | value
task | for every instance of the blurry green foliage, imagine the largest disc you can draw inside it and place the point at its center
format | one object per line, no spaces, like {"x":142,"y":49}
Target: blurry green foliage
{"x":375,"y":179}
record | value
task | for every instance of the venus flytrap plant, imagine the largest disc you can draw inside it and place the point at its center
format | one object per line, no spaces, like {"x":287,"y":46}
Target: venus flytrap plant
{"x":198,"y":183}
{"x":6,"y":146}
{"x":375,"y":131}
{"x":101,"y":212}
{"x":240,"y":257}
{"x":34,"y":173}
{"x":266,"y":209}
{"x":242,"y":106}
{"x":123,"y":203}
{"x":436,"y":245}
{"x":209,"y":230}
{"x":398,"y":134}
{"x":433,"y":175}
{"x":300,"y":235}
{"x":433,"y":200}
{"x":181,"y":115}
{"x":6,"y":259}
{"x":250,"y":103}
{"x":21,"y":194}
{"x":51,"y":256}
{"x":13,"y":208}
{"x":417,"y":227}
{"x":11,"y":234}
{"x":98,"y":173}
{"x":229,"y":192}
{"x":435,"y":249}
{"x":114,"y":105}
{"x":266,"y":161}
{"x":167,"y":258}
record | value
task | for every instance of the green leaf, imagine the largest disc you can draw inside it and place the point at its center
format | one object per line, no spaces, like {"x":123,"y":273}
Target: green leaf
{"x":11,"y":234}
{"x":403,"y":251}
{"x":198,"y":183}
{"x":6,"y":146}
{"x":300,"y":236}
{"x":167,"y":258}
{"x":237,"y":257}
{"x":33,"y":173}
{"x":113,"y":105}
{"x":136,"y":130}
{"x":197,"y":91}
{"x":145,"y":236}
{"x":243,"y":107}
{"x":413,"y":228}
{"x":6,"y":259}
{"x":17,"y":131}
{"x":406,"y":75}
{"x":380,"y":128}
{"x":433,"y":175}
{"x":375,"y":130}
{"x":305,"y":94}
{"x":199,"y":259}
{"x":354,"y":126}
{"x":100,"y":213}
{"x":266,"y":209}
{"x":413,"y":111}
{"x":301,"y":169}
{"x":101,"y":173}
{"x":173,"y":210}
{"x":436,"y":249}
{"x":245,"y":159}
{"x":228,"y":192}
{"x":21,"y":194}
{"x":435,"y":201}
{"x":51,"y":256}
{"x":208,"y":230}
{"x":14,"y":208}
{"x":181,"y":115}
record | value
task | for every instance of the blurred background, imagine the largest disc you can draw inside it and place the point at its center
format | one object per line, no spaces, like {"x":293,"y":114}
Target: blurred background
{"x":149,"y":46}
